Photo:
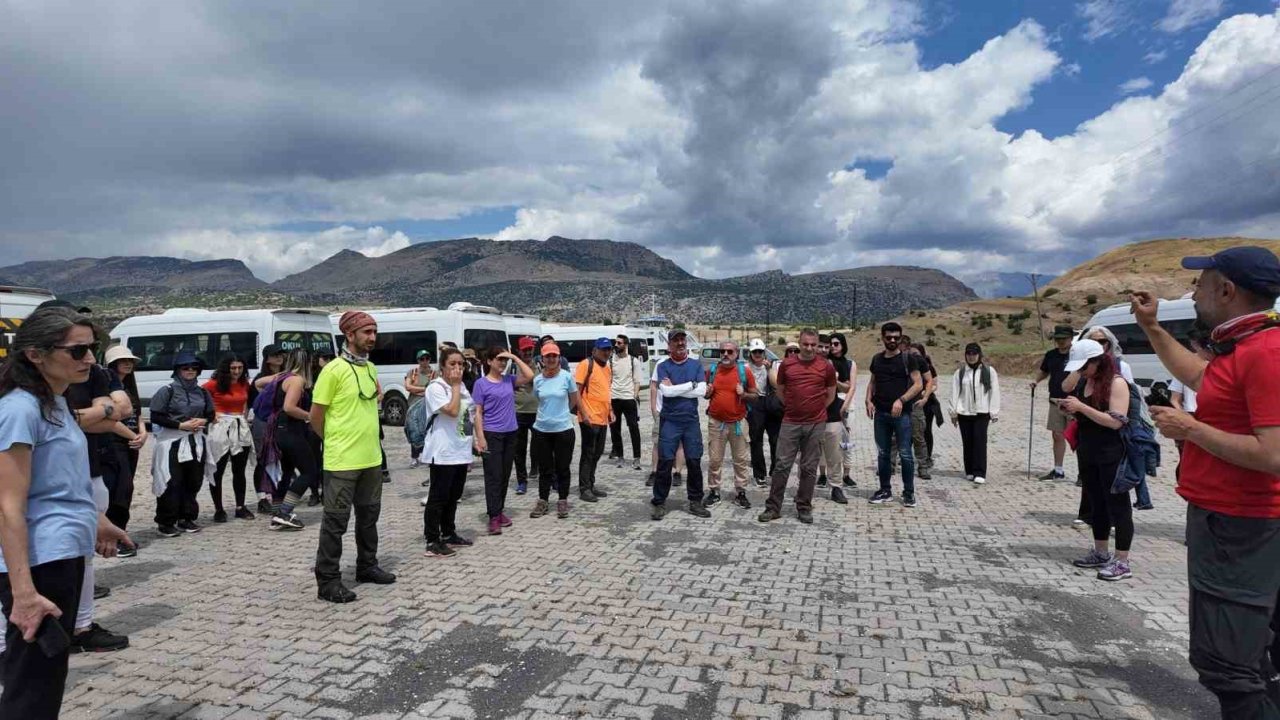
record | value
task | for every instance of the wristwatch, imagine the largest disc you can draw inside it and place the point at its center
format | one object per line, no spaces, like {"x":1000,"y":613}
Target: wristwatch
{"x":108,"y":410}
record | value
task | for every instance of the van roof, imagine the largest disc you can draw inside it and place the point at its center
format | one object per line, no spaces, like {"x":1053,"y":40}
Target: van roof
{"x":274,"y":311}
{"x":28,"y":290}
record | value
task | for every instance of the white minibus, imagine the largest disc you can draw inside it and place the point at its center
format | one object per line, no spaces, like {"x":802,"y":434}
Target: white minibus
{"x":402,"y":332}
{"x":156,"y":339}
{"x":575,"y":341}
{"x":519,"y":325}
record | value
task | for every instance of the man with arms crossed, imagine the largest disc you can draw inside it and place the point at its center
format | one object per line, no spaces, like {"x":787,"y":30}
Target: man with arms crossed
{"x":1230,"y":470}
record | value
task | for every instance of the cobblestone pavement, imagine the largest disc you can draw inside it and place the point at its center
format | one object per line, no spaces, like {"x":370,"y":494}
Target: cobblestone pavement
{"x":964,"y":607}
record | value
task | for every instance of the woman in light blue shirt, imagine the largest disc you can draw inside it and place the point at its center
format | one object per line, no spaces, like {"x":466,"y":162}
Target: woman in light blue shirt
{"x":48,"y":519}
{"x":553,"y":436}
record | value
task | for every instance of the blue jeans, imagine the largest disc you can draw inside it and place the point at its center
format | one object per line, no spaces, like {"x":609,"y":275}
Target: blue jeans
{"x":672,"y":433}
{"x":1144,"y":493}
{"x":887,"y":427}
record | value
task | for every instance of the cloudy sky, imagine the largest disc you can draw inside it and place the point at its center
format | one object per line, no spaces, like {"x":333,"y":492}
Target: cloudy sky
{"x":730,"y":135}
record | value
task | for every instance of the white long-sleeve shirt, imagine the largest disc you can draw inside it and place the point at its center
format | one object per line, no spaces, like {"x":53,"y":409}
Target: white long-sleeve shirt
{"x":969,"y":397}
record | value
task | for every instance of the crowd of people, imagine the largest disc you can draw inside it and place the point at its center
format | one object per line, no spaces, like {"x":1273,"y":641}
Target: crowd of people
{"x":70,"y":436}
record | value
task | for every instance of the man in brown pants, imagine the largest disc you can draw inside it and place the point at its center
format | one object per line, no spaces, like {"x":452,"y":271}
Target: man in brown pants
{"x":807,"y":385}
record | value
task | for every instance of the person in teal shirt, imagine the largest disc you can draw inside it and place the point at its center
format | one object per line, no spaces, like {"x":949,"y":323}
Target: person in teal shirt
{"x":553,"y":436}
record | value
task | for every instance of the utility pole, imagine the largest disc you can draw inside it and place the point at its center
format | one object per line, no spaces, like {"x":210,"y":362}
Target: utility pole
{"x":1035,"y":290}
{"x":853,"y":316}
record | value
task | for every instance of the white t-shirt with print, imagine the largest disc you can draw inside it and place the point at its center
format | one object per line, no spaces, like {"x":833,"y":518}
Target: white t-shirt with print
{"x":449,"y":440}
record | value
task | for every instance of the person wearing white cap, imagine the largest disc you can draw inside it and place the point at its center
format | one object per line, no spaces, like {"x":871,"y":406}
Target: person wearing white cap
{"x":129,"y":438}
{"x":764,"y":414}
{"x":1100,"y":405}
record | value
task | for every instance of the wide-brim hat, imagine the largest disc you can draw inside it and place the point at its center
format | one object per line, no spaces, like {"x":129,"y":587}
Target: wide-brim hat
{"x":115,"y":353}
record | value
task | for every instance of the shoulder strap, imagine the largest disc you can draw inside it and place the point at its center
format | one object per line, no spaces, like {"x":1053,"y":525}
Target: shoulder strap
{"x":742,"y":374}
{"x":586,"y":383}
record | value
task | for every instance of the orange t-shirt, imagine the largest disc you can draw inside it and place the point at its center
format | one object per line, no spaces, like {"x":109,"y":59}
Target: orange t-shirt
{"x":593,"y":404}
{"x":725,"y":404}
{"x":234,"y":402}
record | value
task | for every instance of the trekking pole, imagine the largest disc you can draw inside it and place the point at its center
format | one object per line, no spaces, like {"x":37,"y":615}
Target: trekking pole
{"x":1031,"y":429}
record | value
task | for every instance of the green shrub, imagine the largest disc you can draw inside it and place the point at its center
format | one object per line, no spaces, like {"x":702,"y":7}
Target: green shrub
{"x":1050,"y":292}
{"x":1091,"y":299}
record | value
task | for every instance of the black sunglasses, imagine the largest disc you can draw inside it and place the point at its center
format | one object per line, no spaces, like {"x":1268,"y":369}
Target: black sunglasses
{"x":77,"y":352}
{"x":189,"y":367}
{"x":793,"y":351}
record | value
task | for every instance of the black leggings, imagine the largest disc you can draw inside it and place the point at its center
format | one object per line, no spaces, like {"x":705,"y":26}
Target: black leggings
{"x":554,"y":451}
{"x":624,"y":410}
{"x":179,"y":501}
{"x":497,"y":469}
{"x":238,"y":465}
{"x":299,"y":453}
{"x":1108,"y":509}
{"x":33,"y":681}
{"x":973,"y":439}
{"x":524,"y":426}
{"x":439,"y":519}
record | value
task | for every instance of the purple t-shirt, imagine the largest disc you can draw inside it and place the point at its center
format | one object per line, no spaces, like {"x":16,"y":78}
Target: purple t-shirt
{"x":499,"y":402}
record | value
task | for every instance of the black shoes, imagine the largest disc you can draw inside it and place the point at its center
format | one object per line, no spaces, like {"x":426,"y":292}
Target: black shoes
{"x":97,"y":639}
{"x":908,"y":499}
{"x":696,"y":508}
{"x":1053,"y":475}
{"x":657,"y":512}
{"x":168,"y":531}
{"x":924,"y":475}
{"x":822,"y":480}
{"x":598,"y":492}
{"x":220,"y":516}
{"x":264,"y":507}
{"x":849,"y":482}
{"x":837,"y":496}
{"x":768,"y":516}
{"x":187,"y":526}
{"x":805,"y":517}
{"x":880,"y":497}
{"x":676,"y":479}
{"x":126,"y":551}
{"x":457,"y":540}
{"x":314,"y":500}
{"x":376,"y":575}
{"x":440,"y":550}
{"x":741,"y":500}
{"x":648,"y":482}
{"x":712,"y":498}
{"x":100,"y":591}
{"x":243,"y":513}
{"x":586,"y":495}
{"x":762,"y":482}
{"x":336,"y":592}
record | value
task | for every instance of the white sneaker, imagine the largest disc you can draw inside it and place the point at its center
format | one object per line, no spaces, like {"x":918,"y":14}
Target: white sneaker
{"x":979,"y":480}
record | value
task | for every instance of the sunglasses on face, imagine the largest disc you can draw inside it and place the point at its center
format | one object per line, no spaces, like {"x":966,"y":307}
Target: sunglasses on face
{"x":77,"y":352}
{"x":728,"y":352}
{"x":793,"y":352}
{"x":189,"y":367}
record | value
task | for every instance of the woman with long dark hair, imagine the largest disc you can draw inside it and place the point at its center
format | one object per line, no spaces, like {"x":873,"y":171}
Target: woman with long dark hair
{"x":230,"y":437}
{"x":272,"y":361}
{"x":846,"y":376}
{"x":49,"y":521}
{"x":975,"y":404}
{"x":495,"y":397}
{"x":297,"y":444}
{"x":447,"y":452}
{"x":1100,"y":405}
{"x":182,"y":412}
{"x":120,"y":362}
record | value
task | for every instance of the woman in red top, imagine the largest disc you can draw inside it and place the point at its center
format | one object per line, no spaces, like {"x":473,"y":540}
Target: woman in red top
{"x":230,"y":438}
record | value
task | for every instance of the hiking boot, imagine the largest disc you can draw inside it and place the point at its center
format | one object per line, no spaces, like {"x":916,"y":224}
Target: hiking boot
{"x":376,"y":575}
{"x":522,"y":487}
{"x":457,"y":540}
{"x":1054,"y":475}
{"x":1115,"y":570}
{"x":712,"y":498}
{"x":586,"y":495}
{"x":220,"y":516}
{"x":264,"y":507}
{"x":849,"y":482}
{"x":562,"y":509}
{"x":696,"y":508}
{"x":540,"y":508}
{"x":97,"y":639}
{"x":881,"y":497}
{"x":495,"y":527}
{"x":314,"y":500}
{"x":805,"y":516}
{"x":648,"y":482}
{"x":335,"y":592}
{"x":822,"y":480}
{"x":657,"y":512}
{"x":925,"y":474}
{"x":741,"y":500}
{"x":242,"y":513}
{"x":837,"y":496}
{"x":100,"y":591}
{"x":676,"y":479}
{"x":1093,"y":559}
{"x":187,"y":526}
{"x":281,"y":521}
{"x":598,"y":492}
{"x":126,"y":551}
{"x":908,"y":500}
{"x":768,"y":516}
{"x":504,"y":521}
{"x":439,"y":550}
{"x":168,"y":531}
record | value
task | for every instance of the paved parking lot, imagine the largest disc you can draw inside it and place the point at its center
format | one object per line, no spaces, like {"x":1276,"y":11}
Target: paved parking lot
{"x":964,"y":607}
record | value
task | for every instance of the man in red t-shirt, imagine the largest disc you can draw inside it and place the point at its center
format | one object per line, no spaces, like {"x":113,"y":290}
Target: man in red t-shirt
{"x":729,"y":387}
{"x":807,"y":385}
{"x":1230,"y":474}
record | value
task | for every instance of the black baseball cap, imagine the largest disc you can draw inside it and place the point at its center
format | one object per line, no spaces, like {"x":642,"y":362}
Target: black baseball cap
{"x":672,"y":335}
{"x":1253,"y":268}
{"x":82,"y":309}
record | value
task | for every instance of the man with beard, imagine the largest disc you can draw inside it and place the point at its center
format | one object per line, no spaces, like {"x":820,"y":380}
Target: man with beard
{"x":895,"y":382}
{"x":344,"y":412}
{"x":680,"y":383}
{"x":1230,"y":473}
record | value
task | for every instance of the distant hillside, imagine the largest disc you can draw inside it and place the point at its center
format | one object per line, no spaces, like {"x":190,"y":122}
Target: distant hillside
{"x":595,"y":280}
{"x":1154,"y":264}
{"x":124,"y":277}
